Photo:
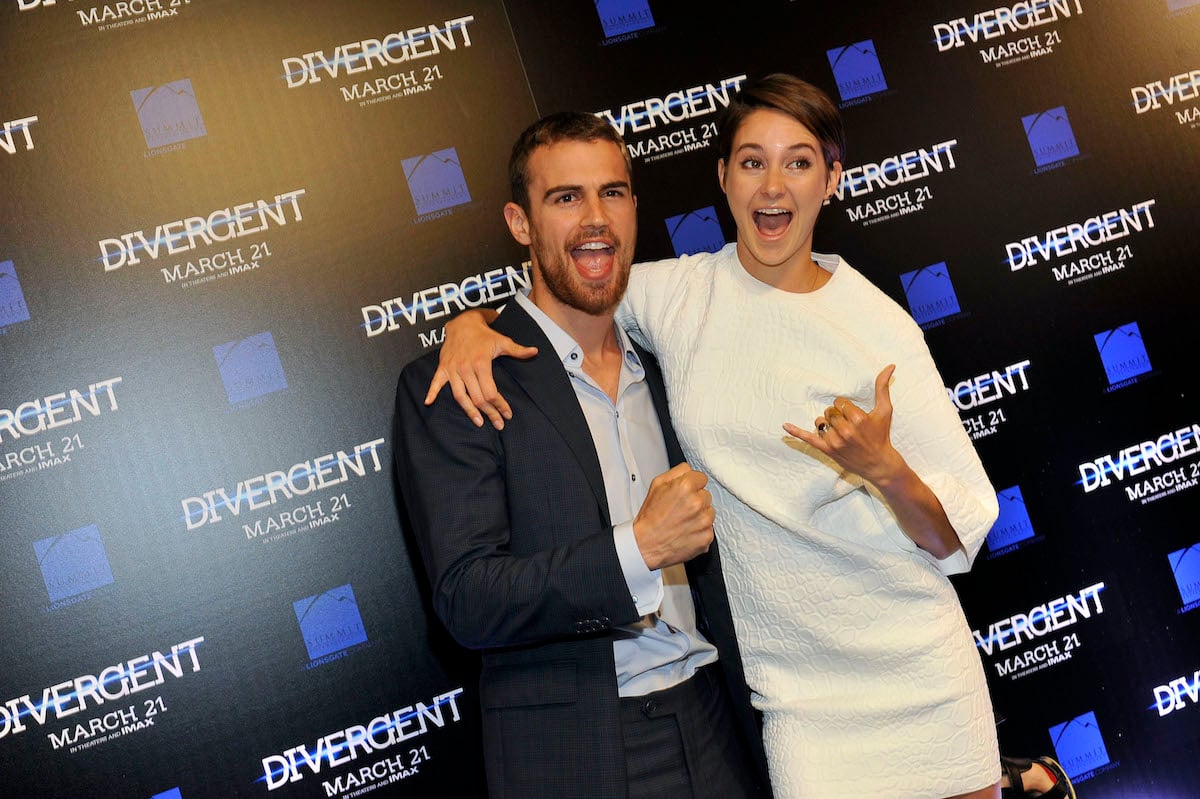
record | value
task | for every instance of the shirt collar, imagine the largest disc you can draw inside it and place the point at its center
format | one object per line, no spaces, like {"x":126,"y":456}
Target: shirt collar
{"x":565,"y":347}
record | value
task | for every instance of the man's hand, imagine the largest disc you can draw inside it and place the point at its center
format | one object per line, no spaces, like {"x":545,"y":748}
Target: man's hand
{"x":675,"y":523}
{"x":465,"y":362}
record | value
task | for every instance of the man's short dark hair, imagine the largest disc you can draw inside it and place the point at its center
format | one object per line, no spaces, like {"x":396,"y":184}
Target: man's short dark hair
{"x":552,"y":129}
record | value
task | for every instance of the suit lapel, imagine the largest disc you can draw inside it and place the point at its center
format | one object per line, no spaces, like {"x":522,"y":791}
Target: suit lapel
{"x":658,"y":393}
{"x":545,"y":381}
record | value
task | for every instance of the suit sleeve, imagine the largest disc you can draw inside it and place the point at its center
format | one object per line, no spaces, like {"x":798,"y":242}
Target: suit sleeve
{"x":452,"y":480}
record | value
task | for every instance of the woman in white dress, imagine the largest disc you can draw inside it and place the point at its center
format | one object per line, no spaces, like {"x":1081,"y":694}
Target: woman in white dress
{"x":837,"y":538}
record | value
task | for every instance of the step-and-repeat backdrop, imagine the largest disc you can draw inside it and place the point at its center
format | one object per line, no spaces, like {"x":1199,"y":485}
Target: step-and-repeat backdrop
{"x":225,"y":226}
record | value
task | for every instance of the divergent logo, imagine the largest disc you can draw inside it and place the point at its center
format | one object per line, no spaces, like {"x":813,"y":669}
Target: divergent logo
{"x":92,"y":690}
{"x":365,"y":55}
{"x":1002,"y":21}
{"x":182,"y":235}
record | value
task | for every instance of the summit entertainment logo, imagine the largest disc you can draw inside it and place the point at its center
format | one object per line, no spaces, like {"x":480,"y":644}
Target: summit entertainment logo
{"x":329,"y":623}
{"x":12,"y":300}
{"x":8,"y":143}
{"x":1051,"y":138}
{"x":436,"y":182}
{"x":620,"y":18}
{"x":930,"y":295}
{"x":1185,"y":568}
{"x":696,"y":231}
{"x":857,"y":70}
{"x":250,"y":367}
{"x":1123,"y":354}
{"x":168,"y":113}
{"x":1080,"y":747}
{"x":1012,"y":529}
{"x":73,"y":563}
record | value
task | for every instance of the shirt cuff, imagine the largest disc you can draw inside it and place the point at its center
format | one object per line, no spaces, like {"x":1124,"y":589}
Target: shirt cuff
{"x":645,"y":586}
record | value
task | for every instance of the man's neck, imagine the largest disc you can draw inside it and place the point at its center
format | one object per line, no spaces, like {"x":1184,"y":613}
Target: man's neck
{"x":595,"y":335}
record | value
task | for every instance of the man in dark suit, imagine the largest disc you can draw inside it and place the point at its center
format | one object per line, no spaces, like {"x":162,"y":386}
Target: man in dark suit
{"x":594,"y":592}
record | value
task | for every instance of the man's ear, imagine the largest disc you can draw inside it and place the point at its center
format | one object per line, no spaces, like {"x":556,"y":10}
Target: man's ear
{"x":518,"y":223}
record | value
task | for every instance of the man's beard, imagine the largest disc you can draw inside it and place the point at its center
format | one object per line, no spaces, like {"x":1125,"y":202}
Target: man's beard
{"x":568,"y":287}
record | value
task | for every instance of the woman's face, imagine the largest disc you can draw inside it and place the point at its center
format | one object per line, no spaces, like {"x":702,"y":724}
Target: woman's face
{"x":775,"y":182}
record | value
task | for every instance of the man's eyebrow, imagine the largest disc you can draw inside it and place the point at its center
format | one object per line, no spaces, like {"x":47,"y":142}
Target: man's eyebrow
{"x":614,"y":184}
{"x":561,"y":189}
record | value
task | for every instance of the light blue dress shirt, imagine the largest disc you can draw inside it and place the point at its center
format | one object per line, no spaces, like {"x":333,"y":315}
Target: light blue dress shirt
{"x":664,"y":648}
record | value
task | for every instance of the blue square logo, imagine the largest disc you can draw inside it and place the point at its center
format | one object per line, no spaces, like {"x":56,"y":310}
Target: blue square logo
{"x":1122,"y":352}
{"x":436,"y":181}
{"x":696,"y":231}
{"x":12,"y":299}
{"x":624,"y":16}
{"x":930,"y":293}
{"x":1079,"y":745}
{"x":171,"y":794}
{"x":168,"y":113}
{"x":330,"y":622}
{"x":73,"y":563}
{"x":250,"y":367}
{"x":1012,"y":525}
{"x":1050,"y":136}
{"x":857,"y":70}
{"x":1185,"y":566}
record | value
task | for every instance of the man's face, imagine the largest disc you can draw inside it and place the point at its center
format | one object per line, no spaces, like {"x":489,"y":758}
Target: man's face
{"x":581,"y":226}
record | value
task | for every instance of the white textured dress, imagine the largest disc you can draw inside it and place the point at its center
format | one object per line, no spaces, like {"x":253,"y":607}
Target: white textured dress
{"x":855,"y":645}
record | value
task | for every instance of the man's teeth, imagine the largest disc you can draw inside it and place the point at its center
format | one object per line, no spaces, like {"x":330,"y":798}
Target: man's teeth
{"x":594,"y":245}
{"x":771,"y":211}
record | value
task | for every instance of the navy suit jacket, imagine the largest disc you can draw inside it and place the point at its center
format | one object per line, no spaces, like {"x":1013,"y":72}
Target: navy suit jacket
{"x":515,"y":535}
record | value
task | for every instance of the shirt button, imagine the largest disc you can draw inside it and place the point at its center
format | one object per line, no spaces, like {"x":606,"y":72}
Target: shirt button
{"x":633,"y":477}
{"x":635,"y":599}
{"x":574,"y":356}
